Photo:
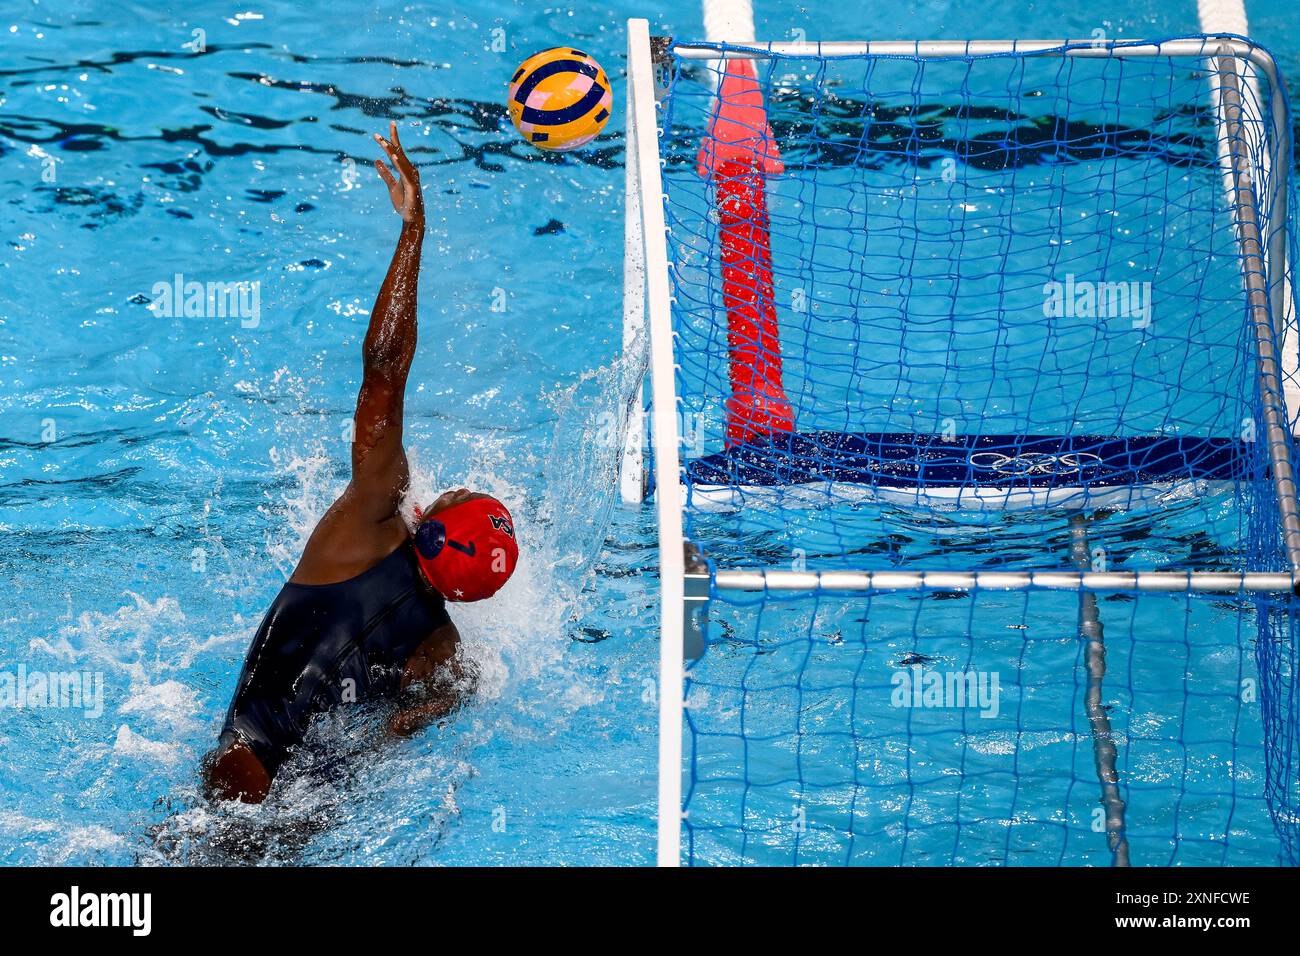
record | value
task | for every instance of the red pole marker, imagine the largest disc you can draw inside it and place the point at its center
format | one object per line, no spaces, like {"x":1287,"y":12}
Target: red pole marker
{"x":738,"y":154}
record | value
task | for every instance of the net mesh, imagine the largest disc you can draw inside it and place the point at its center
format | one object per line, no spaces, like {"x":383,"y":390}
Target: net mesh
{"x":1005,"y":290}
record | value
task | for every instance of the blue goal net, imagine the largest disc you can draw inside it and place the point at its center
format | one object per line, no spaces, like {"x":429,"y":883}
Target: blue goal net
{"x":962,"y":312}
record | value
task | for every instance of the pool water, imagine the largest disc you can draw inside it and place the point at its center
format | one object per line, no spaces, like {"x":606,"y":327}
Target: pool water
{"x":159,"y":475}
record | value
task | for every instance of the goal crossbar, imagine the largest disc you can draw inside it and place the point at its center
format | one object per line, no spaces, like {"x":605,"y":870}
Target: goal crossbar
{"x":701,"y":585}
{"x":1198,"y":46}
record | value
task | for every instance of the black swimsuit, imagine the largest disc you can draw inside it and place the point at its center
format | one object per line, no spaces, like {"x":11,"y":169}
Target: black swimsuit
{"x":323,"y":644}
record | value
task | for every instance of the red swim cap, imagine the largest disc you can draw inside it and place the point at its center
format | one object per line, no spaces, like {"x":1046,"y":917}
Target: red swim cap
{"x":468,"y":551}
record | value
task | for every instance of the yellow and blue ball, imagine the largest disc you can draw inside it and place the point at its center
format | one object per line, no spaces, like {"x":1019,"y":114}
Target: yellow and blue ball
{"x":560,"y":99}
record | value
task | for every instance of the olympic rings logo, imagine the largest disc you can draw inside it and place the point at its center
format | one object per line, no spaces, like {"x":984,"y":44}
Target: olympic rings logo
{"x":1033,"y":463}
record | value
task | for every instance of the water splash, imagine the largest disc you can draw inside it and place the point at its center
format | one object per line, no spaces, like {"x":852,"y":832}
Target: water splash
{"x":334,"y":800}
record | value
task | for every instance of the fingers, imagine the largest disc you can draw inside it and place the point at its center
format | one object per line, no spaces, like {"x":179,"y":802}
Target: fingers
{"x":396,"y":155}
{"x":401,"y":153}
{"x":389,"y":179}
{"x":390,"y":150}
{"x":403,"y":181}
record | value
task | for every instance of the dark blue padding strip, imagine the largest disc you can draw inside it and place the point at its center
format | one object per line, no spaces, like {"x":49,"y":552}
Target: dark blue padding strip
{"x":904,"y":461}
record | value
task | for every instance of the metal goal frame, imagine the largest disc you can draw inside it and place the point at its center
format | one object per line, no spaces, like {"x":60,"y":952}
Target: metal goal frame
{"x":686,"y":582}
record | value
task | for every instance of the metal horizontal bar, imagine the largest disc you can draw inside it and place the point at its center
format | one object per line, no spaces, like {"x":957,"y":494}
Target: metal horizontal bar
{"x":1214,"y":582}
{"x":1183,"y":46}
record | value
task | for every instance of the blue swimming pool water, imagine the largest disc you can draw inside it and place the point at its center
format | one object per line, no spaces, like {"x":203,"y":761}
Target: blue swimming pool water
{"x":158,"y":475}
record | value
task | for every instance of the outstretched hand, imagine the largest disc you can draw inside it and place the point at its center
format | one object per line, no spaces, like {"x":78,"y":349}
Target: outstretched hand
{"x":404,"y":187}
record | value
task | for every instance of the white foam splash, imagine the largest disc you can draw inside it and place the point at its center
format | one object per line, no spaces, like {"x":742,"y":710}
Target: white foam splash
{"x":143,"y":640}
{"x":131,"y":744}
{"x":170,"y":705}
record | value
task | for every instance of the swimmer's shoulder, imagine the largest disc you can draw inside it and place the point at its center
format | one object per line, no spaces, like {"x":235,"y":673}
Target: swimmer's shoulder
{"x":344,"y":544}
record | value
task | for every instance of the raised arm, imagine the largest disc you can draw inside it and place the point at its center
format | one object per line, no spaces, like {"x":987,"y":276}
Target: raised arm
{"x":379,"y":467}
